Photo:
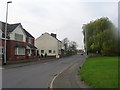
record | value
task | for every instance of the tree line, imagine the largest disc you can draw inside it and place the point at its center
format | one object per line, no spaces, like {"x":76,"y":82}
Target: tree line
{"x":100,"y":36}
{"x":70,"y":47}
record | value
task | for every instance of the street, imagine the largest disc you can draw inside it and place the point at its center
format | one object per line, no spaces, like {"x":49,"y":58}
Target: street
{"x":36,"y":75}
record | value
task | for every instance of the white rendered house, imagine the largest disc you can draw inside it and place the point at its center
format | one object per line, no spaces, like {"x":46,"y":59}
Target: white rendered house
{"x":49,"y":44}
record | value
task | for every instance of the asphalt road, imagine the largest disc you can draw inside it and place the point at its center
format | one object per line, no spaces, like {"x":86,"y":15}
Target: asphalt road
{"x":36,"y":75}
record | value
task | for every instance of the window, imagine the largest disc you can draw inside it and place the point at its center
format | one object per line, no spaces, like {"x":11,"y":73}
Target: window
{"x":53,"y":51}
{"x":18,"y":37}
{"x":29,"y":41}
{"x":19,"y":51}
{"x":0,"y":34}
{"x":50,"y":51}
{"x":42,"y":51}
{"x":1,"y":50}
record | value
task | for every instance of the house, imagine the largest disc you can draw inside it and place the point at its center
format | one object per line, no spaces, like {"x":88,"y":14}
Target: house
{"x":49,"y":44}
{"x":20,"y":43}
{"x":0,"y":45}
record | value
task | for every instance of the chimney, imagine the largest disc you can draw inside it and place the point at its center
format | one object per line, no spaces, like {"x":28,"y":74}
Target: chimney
{"x":54,"y":35}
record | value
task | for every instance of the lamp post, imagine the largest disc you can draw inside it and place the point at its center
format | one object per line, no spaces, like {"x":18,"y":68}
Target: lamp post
{"x":86,"y":42}
{"x":85,"y":36}
{"x":6,"y":32}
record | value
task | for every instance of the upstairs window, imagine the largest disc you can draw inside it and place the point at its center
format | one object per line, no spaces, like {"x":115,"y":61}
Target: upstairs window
{"x":18,"y":37}
{"x":29,"y":41}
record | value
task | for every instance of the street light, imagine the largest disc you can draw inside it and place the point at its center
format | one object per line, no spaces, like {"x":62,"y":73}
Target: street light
{"x":86,"y":42}
{"x":6,"y":32}
{"x":85,"y":36}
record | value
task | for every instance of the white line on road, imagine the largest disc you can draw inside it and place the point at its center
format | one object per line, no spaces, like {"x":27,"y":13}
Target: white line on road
{"x":56,"y":75}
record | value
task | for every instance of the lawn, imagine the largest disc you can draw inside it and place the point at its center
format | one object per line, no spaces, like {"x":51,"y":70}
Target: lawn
{"x":100,"y":72}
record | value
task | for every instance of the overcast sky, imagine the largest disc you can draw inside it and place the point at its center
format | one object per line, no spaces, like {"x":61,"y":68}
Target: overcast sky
{"x":63,"y":17}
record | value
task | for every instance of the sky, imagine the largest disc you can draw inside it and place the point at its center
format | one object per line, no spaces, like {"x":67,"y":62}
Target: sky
{"x":62,"y":17}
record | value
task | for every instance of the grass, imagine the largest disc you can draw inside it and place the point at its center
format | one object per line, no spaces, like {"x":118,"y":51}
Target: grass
{"x":100,"y":72}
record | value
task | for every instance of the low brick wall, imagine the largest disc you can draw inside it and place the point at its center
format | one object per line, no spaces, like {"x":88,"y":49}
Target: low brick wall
{"x":48,"y":57}
{"x":29,"y":60}
{"x":93,"y":54}
{"x":22,"y":61}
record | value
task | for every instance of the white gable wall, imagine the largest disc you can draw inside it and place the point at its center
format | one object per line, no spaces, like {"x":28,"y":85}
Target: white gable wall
{"x":18,"y":30}
{"x":46,"y":42}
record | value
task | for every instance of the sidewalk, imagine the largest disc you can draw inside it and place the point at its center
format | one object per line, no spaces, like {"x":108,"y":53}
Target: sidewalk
{"x":26,"y":63}
{"x":69,"y":78}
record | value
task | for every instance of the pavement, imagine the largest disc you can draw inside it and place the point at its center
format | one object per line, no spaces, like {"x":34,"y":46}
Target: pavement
{"x":9,"y":66}
{"x":69,"y":78}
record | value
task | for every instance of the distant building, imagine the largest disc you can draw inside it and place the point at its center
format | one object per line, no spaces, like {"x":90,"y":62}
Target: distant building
{"x":49,"y":44}
{"x":20,"y":43}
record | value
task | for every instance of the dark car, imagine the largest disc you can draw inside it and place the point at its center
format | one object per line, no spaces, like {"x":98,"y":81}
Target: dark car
{"x":81,"y":53}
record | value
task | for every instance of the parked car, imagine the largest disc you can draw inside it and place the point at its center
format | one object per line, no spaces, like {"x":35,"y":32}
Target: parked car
{"x":81,"y":53}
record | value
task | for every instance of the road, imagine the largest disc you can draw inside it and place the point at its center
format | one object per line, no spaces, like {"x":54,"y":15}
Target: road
{"x":36,"y":75}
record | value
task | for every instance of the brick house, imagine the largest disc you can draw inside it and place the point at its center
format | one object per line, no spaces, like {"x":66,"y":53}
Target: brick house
{"x":0,"y":45}
{"x":20,"y":43}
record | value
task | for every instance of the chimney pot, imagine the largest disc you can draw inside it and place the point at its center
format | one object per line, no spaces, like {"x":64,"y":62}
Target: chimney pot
{"x":54,"y":35}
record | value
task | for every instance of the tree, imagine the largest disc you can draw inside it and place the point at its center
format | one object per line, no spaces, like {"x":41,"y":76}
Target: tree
{"x":100,"y":35}
{"x":73,"y":45}
{"x":70,"y":47}
{"x":65,"y":41}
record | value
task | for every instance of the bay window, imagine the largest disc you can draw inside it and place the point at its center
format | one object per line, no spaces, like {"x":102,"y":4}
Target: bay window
{"x":19,"y":51}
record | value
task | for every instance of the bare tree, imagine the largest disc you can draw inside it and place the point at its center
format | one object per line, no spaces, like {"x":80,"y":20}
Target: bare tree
{"x":73,"y":45}
{"x":66,"y":43}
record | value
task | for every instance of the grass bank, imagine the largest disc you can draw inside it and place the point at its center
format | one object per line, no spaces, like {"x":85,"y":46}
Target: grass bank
{"x":100,"y":72}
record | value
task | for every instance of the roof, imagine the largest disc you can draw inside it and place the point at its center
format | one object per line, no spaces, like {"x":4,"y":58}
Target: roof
{"x":11,"y":28}
{"x":50,"y":36}
{"x":19,"y":45}
{"x":32,"y":46}
{"x":28,"y":34}
{"x":24,"y":46}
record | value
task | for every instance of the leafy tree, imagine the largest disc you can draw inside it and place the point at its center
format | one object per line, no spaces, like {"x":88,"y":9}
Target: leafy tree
{"x":100,"y":35}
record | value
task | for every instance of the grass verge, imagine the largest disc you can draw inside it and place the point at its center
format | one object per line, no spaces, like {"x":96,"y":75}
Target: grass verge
{"x":100,"y":72}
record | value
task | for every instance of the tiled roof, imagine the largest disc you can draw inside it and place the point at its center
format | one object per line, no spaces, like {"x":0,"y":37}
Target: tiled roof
{"x":11,"y":27}
{"x":20,"y":45}
{"x":32,"y":46}
{"x":51,"y":36}
{"x":28,"y":34}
